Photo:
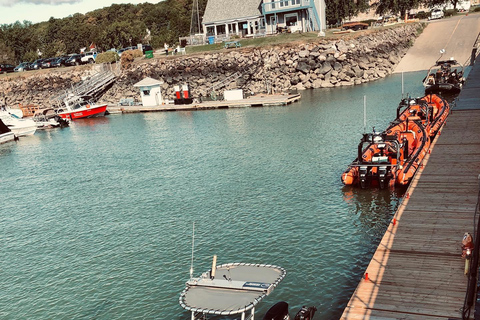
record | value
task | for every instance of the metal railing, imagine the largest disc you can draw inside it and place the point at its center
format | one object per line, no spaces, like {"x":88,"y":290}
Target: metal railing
{"x":274,"y":6}
{"x":471,"y":293}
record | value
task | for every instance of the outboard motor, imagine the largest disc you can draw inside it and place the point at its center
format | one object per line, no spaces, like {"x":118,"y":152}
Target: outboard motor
{"x":363,"y":173}
{"x":382,"y":176}
{"x":305,"y":313}
{"x":278,"y":312}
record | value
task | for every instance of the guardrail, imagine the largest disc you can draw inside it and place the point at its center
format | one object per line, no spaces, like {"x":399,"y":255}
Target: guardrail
{"x":471,"y":293}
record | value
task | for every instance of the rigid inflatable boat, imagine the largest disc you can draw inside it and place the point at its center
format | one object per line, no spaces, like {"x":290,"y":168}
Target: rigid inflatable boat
{"x":445,"y":77}
{"x":392,"y":157}
{"x":431,"y":109}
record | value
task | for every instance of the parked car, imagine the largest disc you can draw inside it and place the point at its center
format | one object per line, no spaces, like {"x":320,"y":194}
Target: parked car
{"x":74,"y":60}
{"x":37,"y":64}
{"x":24,"y":66}
{"x":436,"y":14}
{"x":126,"y":49}
{"x":47,"y":63}
{"x":89,"y":57}
{"x":60,"y":61}
{"x":5,"y":68}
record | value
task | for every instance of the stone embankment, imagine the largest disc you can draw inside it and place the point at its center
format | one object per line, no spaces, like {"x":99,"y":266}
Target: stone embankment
{"x":346,"y":61}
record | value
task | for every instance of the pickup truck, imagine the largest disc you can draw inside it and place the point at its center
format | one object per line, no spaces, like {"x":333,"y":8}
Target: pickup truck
{"x":89,"y":57}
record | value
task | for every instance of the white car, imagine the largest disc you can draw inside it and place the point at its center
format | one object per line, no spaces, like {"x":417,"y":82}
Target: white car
{"x":89,"y":57}
{"x":436,"y":14}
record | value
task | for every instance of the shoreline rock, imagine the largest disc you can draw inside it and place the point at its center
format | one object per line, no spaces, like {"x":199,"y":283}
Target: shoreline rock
{"x":324,"y":64}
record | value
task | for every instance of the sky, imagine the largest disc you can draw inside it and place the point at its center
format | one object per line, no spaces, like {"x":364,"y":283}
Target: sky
{"x":41,"y":10}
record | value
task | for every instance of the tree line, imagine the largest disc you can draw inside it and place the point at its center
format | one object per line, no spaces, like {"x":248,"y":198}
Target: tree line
{"x":123,"y":25}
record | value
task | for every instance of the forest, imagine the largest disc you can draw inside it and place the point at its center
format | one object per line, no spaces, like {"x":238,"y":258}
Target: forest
{"x":122,"y":25}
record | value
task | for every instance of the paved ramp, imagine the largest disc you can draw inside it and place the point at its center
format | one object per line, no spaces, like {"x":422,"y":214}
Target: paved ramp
{"x":456,"y":35}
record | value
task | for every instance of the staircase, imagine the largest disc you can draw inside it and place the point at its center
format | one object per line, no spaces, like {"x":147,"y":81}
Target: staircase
{"x":313,"y":18}
{"x":93,"y":86}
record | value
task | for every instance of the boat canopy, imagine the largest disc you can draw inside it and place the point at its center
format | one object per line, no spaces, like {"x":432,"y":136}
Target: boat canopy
{"x":442,"y":62}
{"x":235,"y":288}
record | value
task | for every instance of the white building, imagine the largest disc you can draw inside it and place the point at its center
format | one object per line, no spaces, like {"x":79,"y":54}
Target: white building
{"x":150,"y":91}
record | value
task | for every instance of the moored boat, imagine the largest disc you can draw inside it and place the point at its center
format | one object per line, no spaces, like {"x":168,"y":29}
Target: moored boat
{"x":445,"y":77}
{"x":230,"y":289}
{"x":391,"y":158}
{"x":78,"y":107}
{"x":6,"y":134}
{"x":19,"y":126}
{"x":431,"y":109}
{"x":47,"y":118}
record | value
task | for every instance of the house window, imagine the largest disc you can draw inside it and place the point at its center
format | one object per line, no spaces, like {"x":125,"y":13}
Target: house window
{"x":273,"y":4}
{"x":291,"y":19}
{"x":146,"y":92}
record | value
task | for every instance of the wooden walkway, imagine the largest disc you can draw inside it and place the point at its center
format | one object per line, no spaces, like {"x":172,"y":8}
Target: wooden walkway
{"x":417,"y":271}
{"x":256,"y":101}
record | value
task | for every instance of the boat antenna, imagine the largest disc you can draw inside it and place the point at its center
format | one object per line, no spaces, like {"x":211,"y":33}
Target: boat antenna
{"x":442,"y":51}
{"x":403,"y":92}
{"x":193,"y":246}
{"x":364,"y":114}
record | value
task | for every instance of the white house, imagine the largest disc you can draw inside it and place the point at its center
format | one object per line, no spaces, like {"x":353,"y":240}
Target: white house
{"x":150,"y":91}
{"x":224,"y":18}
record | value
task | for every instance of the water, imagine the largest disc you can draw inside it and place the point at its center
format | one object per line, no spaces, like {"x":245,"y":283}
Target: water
{"x":96,"y":219}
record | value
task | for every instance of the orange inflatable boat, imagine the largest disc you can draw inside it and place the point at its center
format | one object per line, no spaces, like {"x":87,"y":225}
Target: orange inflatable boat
{"x":392,"y":157}
{"x":432,"y":109}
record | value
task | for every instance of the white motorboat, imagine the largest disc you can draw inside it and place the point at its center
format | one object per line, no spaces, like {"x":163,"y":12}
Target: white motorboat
{"x":47,"y":118}
{"x":20,"y":127}
{"x":6,"y":134}
{"x":230,"y":289}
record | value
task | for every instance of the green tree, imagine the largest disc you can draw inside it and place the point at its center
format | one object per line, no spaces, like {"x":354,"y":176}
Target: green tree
{"x":6,"y":54}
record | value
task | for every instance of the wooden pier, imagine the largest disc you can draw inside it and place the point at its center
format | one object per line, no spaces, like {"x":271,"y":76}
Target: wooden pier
{"x":417,"y":271}
{"x":254,"y":101}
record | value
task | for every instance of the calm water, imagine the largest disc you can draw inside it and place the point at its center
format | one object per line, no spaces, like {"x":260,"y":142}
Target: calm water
{"x":96,"y":219}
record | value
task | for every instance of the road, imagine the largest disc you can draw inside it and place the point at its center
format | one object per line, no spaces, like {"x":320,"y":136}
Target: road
{"x":454,"y":34}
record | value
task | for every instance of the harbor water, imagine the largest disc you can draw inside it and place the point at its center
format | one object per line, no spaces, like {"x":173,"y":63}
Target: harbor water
{"x":96,"y":219}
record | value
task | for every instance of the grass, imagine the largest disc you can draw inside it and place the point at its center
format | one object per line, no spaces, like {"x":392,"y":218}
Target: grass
{"x":282,"y":39}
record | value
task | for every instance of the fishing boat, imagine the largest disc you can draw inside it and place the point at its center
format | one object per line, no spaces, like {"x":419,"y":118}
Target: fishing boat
{"x":47,"y":118}
{"x":19,"y":126}
{"x":6,"y":134}
{"x":78,"y":107}
{"x":431,"y":109}
{"x":390,"y":158}
{"x":445,"y":77}
{"x":230,"y":289}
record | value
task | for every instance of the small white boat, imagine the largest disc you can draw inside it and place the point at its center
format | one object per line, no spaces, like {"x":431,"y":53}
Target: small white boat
{"x":47,"y":118}
{"x":230,"y":289}
{"x":20,"y":127}
{"x":6,"y":134}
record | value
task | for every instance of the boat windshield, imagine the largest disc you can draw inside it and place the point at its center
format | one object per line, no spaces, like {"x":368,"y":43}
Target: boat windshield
{"x":80,"y":104}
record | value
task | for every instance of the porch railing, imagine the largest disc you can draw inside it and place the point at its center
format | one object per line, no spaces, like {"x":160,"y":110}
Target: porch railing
{"x":281,"y":5}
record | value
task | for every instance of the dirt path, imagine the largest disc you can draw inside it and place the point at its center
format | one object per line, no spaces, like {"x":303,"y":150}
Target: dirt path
{"x":456,"y":35}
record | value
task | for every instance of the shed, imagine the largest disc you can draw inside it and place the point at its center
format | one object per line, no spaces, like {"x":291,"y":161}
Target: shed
{"x":150,"y":91}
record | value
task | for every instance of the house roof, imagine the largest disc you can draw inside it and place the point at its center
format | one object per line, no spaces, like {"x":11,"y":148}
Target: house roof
{"x":224,"y":10}
{"x":148,"y":82}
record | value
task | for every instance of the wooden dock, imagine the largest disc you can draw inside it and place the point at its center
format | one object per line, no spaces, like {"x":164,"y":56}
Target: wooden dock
{"x":417,"y":271}
{"x":254,"y":101}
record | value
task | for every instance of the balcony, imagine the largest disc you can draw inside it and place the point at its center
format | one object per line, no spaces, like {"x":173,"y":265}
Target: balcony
{"x":285,"y":5}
